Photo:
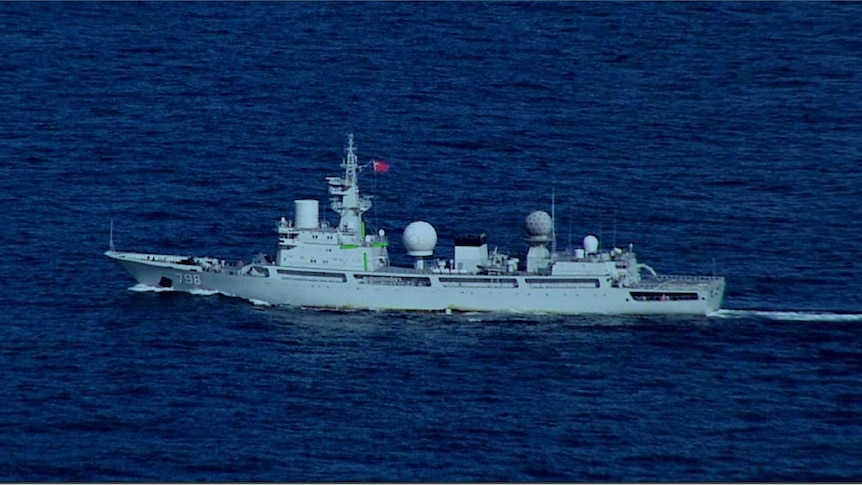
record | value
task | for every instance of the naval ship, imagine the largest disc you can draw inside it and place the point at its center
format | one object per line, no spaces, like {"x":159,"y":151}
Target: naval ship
{"x":319,"y":265}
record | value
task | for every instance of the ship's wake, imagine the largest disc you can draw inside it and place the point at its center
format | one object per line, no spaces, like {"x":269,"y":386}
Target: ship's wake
{"x":795,"y":316}
{"x":142,"y":288}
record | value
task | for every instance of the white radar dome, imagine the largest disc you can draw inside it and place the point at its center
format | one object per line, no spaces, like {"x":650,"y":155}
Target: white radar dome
{"x":591,"y":244}
{"x":419,"y":239}
{"x":539,"y":223}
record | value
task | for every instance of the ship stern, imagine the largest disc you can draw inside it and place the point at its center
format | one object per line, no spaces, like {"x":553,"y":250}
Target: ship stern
{"x":715,"y":294}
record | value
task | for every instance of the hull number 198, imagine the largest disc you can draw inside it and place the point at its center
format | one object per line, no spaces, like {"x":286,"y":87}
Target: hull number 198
{"x":192,"y":279}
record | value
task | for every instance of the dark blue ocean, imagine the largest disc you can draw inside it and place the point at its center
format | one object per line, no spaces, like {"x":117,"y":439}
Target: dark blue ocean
{"x":715,"y":137}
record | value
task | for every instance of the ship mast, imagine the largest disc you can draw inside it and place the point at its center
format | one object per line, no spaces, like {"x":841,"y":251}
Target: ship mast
{"x":553,"y":221}
{"x":345,"y":199}
{"x":350,"y":162}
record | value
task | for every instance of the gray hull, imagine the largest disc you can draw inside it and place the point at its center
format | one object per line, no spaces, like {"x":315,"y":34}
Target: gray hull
{"x":426,"y":291}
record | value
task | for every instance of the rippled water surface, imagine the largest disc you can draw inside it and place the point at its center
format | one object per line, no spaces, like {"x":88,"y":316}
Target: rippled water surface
{"x":717,"y":137}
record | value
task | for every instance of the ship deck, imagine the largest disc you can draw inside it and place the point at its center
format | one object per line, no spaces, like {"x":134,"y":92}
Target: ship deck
{"x":679,"y":282}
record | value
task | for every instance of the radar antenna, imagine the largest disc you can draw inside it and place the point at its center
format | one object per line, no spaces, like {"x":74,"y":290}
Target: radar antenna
{"x":553,"y":221}
{"x":350,"y":164}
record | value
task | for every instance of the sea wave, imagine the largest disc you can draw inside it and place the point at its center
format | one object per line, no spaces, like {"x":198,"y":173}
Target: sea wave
{"x":799,"y":316}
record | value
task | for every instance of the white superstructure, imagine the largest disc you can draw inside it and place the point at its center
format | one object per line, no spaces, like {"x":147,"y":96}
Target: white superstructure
{"x":316,"y":264}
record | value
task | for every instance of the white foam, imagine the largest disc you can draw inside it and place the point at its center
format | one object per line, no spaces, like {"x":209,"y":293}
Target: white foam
{"x":142,"y":288}
{"x":803,"y":316}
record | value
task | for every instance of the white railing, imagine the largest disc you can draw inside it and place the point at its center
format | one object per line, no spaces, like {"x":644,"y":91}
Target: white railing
{"x":669,"y":277}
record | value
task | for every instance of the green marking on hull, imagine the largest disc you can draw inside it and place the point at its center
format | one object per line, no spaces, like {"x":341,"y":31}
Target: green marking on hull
{"x":349,"y":246}
{"x":365,"y":261}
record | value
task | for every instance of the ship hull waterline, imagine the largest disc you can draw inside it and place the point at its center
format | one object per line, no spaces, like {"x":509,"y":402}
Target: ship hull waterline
{"x":371,"y":291}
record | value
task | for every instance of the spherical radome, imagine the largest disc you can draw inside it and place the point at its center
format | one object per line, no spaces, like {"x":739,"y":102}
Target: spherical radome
{"x":419,"y":239}
{"x":539,"y":223}
{"x":591,"y":244}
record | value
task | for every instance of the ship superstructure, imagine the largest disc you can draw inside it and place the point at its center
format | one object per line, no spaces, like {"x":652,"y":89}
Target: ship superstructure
{"x":310,"y":242}
{"x":316,"y":264}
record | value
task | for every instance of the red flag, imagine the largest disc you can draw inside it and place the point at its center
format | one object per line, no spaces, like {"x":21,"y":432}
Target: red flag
{"x":380,"y":166}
